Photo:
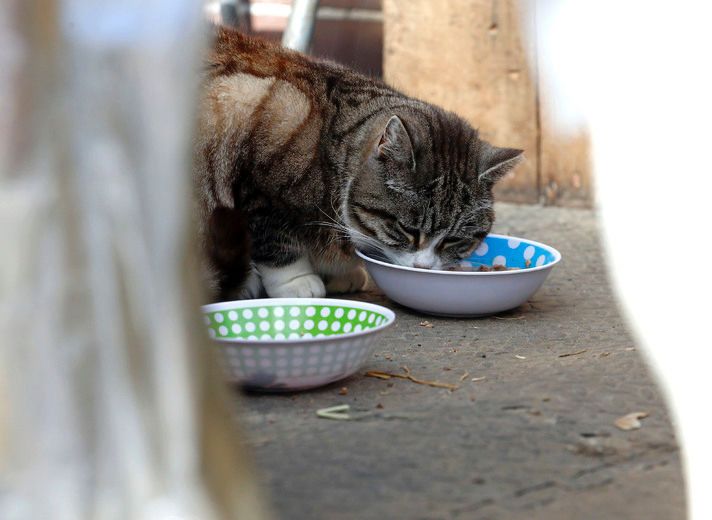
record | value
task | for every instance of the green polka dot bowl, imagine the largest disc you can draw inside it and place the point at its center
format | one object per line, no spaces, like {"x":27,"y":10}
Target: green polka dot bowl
{"x":287,"y":344}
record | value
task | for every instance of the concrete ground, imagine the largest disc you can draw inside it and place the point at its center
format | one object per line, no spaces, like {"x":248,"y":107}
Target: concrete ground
{"x":533,"y":440}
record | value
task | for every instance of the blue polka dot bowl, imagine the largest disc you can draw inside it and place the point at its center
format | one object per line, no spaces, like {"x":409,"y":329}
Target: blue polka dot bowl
{"x":287,"y":344}
{"x":470,"y":292}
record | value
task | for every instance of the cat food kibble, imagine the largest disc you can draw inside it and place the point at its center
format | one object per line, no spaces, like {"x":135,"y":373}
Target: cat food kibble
{"x":482,"y":268}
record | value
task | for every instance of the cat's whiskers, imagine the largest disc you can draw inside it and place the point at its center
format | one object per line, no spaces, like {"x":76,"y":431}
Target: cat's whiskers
{"x":337,"y":212}
{"x":340,"y":234}
{"x":355,"y":236}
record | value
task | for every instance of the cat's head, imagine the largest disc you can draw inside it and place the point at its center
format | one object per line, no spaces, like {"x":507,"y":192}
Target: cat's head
{"x":424,"y":195}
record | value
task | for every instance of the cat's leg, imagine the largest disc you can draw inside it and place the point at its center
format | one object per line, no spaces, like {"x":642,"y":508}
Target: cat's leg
{"x":354,"y":280}
{"x":252,"y":288}
{"x":342,"y":272}
{"x":296,"y":280}
{"x":249,"y":289}
{"x":279,"y":255}
{"x":226,"y":266}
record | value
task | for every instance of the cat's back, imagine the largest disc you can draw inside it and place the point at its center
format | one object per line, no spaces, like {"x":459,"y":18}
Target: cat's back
{"x":251,"y":83}
{"x":233,"y":52}
{"x":247,"y":77}
{"x":263,"y":110}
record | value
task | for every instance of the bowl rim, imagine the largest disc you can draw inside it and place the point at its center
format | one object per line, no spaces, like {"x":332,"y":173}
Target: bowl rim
{"x":273,"y":302}
{"x":553,"y":251}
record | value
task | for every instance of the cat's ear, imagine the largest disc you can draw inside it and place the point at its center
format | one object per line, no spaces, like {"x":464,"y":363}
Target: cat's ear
{"x":495,"y":162}
{"x":395,"y":144}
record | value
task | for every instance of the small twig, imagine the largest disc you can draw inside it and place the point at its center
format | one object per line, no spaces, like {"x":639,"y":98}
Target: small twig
{"x":475,"y":379}
{"x":520,"y":357}
{"x":380,"y":375}
{"x":388,"y":375}
{"x":435,"y":384}
{"x":464,"y":376}
{"x":573,"y":353}
{"x":515,"y":318}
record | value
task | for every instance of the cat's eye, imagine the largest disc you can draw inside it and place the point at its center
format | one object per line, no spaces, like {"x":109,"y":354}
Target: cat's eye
{"x":448,"y":242}
{"x":411,"y":234}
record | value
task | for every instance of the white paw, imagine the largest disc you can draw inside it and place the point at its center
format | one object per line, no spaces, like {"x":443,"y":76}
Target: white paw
{"x":352,"y":281}
{"x":305,"y":286}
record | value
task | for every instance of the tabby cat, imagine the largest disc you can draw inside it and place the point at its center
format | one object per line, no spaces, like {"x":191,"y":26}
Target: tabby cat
{"x":316,"y":159}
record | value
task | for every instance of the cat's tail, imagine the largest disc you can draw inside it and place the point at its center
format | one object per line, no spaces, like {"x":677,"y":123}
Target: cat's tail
{"x":227,"y":248}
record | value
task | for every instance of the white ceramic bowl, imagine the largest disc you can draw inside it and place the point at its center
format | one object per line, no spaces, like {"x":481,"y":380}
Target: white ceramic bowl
{"x":470,"y":293}
{"x":285,"y":344}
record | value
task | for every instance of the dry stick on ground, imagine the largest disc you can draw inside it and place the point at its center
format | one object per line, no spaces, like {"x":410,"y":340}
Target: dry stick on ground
{"x":388,"y":375}
{"x":574,"y":353}
{"x":382,"y":375}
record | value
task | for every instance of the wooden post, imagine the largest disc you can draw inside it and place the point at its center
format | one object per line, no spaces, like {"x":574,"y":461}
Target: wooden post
{"x":477,"y":59}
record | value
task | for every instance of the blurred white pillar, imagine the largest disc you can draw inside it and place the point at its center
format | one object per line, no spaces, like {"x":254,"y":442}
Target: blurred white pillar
{"x":638,"y":75}
{"x":110,"y":404}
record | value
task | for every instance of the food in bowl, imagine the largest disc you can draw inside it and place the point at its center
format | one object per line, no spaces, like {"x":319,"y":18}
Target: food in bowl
{"x":286,"y":344}
{"x":467,"y":292}
{"x":481,"y":268}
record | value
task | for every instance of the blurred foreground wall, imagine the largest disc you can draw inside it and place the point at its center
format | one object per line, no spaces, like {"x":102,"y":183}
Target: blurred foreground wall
{"x":111,"y":405}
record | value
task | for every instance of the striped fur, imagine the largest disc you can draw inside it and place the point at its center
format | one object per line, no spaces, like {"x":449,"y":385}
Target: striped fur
{"x":321,"y":159}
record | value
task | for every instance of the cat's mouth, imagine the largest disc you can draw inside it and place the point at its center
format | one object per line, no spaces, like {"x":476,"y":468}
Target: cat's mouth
{"x":403,"y":261}
{"x":373,"y":248}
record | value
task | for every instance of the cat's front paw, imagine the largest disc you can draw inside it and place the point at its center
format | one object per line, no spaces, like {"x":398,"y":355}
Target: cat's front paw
{"x":305,"y":286}
{"x":352,"y":281}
